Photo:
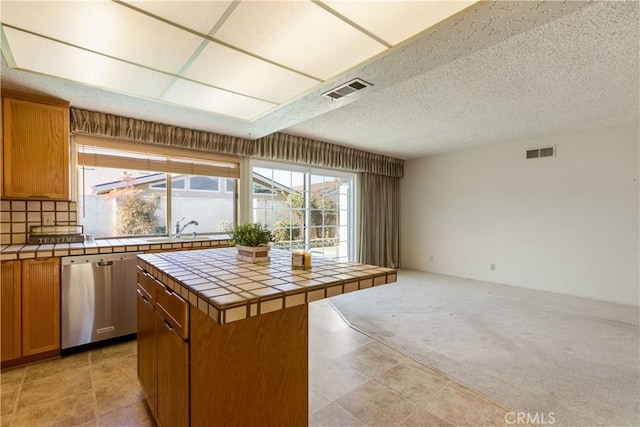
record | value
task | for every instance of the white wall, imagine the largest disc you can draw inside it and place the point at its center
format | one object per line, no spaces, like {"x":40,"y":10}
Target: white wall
{"x":567,"y":224}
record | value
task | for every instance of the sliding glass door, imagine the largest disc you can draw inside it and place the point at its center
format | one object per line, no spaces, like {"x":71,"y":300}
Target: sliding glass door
{"x":307,"y":208}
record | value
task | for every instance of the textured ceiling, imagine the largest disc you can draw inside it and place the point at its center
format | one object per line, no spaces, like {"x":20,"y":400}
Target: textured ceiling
{"x":495,"y":72}
{"x":580,"y":71}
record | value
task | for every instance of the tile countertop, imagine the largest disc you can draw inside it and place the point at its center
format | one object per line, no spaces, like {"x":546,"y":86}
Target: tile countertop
{"x":106,"y":246}
{"x":228,"y":290}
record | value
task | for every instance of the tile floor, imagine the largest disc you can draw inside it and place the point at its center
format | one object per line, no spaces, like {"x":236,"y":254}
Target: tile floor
{"x":353,"y":381}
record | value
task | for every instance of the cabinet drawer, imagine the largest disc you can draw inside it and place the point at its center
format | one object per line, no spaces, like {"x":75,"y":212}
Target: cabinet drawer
{"x":175,"y":311}
{"x":149,"y":287}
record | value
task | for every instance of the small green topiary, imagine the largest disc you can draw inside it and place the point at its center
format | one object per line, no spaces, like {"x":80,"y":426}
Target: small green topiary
{"x":252,"y":234}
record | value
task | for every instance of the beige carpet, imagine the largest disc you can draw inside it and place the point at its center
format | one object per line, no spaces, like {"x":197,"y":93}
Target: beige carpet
{"x":569,"y":360}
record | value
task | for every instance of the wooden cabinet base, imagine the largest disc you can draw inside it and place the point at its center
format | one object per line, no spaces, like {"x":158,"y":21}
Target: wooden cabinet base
{"x":251,"y":372}
{"x":26,"y":360}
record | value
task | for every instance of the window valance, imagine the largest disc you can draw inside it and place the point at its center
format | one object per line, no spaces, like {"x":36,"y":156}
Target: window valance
{"x":277,"y":146}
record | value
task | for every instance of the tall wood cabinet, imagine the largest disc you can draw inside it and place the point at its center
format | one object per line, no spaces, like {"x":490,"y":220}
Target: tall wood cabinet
{"x":30,"y":302}
{"x":35,"y":147}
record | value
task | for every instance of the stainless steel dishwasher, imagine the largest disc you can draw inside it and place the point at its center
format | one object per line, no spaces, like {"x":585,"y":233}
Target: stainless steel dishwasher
{"x":98,"y":300}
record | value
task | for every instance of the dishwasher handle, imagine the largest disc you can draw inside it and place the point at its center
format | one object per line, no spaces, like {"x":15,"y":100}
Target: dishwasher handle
{"x":104,"y":263}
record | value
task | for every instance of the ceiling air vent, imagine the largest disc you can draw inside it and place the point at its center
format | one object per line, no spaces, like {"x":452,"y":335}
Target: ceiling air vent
{"x":535,"y":153}
{"x":346,"y":89}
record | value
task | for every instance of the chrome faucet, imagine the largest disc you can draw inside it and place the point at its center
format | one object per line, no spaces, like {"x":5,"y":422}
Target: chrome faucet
{"x":179,"y":229}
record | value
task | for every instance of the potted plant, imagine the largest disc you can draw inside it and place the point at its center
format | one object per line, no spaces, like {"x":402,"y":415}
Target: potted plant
{"x":252,"y":241}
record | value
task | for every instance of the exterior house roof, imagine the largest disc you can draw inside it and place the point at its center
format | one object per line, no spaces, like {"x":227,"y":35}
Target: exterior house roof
{"x":128,"y":180}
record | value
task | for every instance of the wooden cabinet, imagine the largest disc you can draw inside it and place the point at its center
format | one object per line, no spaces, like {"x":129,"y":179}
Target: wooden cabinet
{"x":35,"y":147}
{"x":11,"y":310}
{"x":173,"y":375}
{"x":40,"y":306}
{"x":163,"y":351}
{"x":30,"y":310}
{"x":251,"y":372}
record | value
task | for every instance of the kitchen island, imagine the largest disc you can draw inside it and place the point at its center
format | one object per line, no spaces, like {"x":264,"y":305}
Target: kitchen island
{"x":228,"y":343}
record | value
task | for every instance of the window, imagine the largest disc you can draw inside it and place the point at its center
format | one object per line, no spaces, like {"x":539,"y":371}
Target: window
{"x":124,"y":192}
{"x":306,"y":208}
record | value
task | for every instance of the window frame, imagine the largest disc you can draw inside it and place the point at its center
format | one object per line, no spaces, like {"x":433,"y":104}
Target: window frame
{"x":352,"y":231}
{"x":177,"y":160}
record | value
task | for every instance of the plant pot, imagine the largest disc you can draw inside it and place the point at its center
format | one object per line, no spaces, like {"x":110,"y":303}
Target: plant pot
{"x":253,"y":254}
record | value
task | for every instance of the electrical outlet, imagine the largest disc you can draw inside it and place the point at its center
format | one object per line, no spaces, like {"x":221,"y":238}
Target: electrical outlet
{"x":492,"y":267}
{"x":48,"y":218}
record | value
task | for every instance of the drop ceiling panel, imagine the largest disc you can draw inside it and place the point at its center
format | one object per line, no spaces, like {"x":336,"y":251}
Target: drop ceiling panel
{"x":299,"y":35}
{"x":200,"y":16}
{"x":416,"y":16}
{"x":108,"y":28}
{"x":60,"y":60}
{"x":223,"y":67}
{"x":206,"y":98}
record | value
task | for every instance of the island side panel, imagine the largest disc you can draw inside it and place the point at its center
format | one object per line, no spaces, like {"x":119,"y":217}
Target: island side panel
{"x":250,"y":372}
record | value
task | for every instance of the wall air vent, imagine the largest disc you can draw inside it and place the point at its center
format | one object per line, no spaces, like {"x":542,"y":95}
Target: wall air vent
{"x":346,"y":89}
{"x":535,"y":153}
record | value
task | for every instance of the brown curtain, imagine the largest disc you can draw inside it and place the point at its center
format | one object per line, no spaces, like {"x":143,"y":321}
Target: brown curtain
{"x":278,"y":146}
{"x":281,"y":146}
{"x":379,"y":220}
{"x":108,"y":125}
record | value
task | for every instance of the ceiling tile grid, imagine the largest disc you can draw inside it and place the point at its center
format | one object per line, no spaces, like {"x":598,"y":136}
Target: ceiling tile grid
{"x":272,"y":51}
{"x":106,"y":28}
{"x":200,"y":16}
{"x":82,"y":66}
{"x":207,"y":98}
{"x":298,"y":35}
{"x":246,"y":74}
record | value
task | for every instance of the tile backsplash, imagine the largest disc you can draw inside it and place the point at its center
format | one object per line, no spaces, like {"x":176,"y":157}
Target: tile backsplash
{"x":16,"y":216}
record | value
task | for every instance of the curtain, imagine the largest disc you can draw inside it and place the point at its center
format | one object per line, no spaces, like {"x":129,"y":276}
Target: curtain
{"x":278,"y":146}
{"x":107,"y":125}
{"x":379,"y":220}
{"x":281,"y":146}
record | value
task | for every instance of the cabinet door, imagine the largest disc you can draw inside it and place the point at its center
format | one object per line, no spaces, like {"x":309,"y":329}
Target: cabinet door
{"x":11,"y":318}
{"x":36,"y":150}
{"x":147,"y":350}
{"x":40,"y":305}
{"x":173,"y":376}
